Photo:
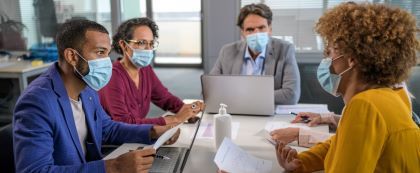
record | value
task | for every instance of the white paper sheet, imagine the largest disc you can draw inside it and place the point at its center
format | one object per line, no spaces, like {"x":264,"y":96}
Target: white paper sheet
{"x":206,"y":130}
{"x":231,"y":158}
{"x":165,"y":137}
{"x":317,"y":108}
{"x":124,"y":148}
{"x":270,"y":126}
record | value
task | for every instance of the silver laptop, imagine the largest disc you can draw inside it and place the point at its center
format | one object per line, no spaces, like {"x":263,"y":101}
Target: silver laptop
{"x":245,"y":95}
{"x":178,"y":156}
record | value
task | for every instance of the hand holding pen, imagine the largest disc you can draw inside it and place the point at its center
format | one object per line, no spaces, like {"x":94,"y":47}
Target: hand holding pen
{"x":313,"y":119}
{"x":134,"y":161}
{"x":300,"y":118}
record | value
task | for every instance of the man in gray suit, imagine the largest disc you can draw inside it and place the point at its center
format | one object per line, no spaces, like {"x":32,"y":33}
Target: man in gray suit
{"x":261,"y":54}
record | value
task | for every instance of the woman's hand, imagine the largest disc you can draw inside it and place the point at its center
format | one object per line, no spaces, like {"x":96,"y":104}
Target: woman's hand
{"x":286,"y":135}
{"x":287,"y":157}
{"x":314,"y":118}
{"x":187,"y":111}
{"x":200,"y":105}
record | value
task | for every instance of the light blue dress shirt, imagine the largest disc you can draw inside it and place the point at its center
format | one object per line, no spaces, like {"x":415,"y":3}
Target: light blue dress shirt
{"x":251,"y":67}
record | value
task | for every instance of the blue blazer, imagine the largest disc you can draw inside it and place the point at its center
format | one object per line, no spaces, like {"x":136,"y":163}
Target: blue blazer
{"x":45,"y":135}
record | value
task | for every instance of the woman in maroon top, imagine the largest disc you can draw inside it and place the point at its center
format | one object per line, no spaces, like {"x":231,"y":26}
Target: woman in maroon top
{"x":134,"y":84}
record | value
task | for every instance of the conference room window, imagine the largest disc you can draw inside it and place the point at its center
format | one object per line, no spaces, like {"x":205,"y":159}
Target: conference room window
{"x":179,"y":32}
{"x":132,"y":9}
{"x":41,"y":18}
{"x":294,"y":20}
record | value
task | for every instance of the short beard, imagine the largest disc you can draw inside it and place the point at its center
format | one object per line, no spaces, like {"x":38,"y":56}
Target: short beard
{"x":81,"y":68}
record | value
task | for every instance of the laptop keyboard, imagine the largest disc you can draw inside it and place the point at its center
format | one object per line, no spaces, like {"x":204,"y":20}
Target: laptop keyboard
{"x":176,"y":155}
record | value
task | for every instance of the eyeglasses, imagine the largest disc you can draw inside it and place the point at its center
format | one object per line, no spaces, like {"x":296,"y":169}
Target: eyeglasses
{"x":141,"y":44}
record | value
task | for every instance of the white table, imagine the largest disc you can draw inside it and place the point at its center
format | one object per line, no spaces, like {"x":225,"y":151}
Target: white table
{"x":203,"y":151}
{"x":21,"y":70}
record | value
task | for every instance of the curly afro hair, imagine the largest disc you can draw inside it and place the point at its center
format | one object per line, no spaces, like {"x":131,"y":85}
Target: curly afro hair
{"x":381,"y":38}
{"x":126,"y":29}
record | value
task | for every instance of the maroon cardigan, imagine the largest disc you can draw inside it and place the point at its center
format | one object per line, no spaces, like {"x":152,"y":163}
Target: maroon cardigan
{"x":124,"y":102}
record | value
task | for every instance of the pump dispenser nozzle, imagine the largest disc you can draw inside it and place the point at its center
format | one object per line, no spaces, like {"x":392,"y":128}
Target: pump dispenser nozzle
{"x":222,"y":109}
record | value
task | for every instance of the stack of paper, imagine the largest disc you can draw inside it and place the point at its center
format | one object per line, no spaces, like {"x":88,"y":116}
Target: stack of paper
{"x":270,"y":126}
{"x":317,"y":108}
{"x":231,"y":158}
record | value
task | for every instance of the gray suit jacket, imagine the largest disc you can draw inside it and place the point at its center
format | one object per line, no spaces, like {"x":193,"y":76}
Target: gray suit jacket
{"x":280,"y":62}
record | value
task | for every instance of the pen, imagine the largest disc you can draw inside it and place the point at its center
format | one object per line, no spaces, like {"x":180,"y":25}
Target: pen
{"x":305,"y":119}
{"x":293,"y":113}
{"x":158,"y":156}
{"x":162,"y":157}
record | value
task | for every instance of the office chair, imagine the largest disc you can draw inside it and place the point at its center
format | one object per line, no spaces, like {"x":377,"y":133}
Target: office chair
{"x":312,"y":92}
{"x":7,"y":163}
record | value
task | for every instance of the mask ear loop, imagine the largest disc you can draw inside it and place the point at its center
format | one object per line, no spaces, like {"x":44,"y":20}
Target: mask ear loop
{"x":337,"y":57}
{"x":340,"y":74}
{"x":345,"y":71}
{"x":74,"y":67}
{"x":75,"y":51}
{"x":132,"y":49}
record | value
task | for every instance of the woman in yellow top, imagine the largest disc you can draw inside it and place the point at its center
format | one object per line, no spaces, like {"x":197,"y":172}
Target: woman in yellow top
{"x":371,"y":47}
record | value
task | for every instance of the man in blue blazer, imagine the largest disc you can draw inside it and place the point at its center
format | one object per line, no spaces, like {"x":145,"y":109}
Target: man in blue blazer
{"x":59,"y":124}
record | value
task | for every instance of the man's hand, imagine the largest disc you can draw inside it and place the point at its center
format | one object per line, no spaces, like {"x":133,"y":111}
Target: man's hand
{"x":286,"y":135}
{"x":134,"y":161}
{"x":174,"y":138}
{"x":314,"y":118}
{"x":287,"y":157}
{"x":157,"y":131}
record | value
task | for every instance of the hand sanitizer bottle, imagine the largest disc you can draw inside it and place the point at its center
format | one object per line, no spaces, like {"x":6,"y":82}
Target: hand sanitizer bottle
{"x":222,"y":125}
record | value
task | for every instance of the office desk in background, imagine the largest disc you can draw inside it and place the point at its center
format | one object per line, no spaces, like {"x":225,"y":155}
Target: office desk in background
{"x":21,"y":70}
{"x":203,"y":151}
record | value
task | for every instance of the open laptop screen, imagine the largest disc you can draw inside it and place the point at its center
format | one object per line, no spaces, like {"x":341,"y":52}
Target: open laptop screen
{"x":245,"y":95}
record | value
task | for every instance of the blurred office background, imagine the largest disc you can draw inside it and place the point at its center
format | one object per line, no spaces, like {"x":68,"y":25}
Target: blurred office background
{"x":191,"y":35}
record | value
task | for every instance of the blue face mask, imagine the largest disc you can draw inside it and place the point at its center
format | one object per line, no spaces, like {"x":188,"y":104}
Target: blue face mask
{"x":258,"y":41}
{"x":141,"y":58}
{"x":329,"y":82}
{"x":100,"y":71}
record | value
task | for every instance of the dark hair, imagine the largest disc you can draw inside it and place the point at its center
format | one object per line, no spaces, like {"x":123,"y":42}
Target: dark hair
{"x":126,"y":29}
{"x":257,"y":9}
{"x":72,"y":34}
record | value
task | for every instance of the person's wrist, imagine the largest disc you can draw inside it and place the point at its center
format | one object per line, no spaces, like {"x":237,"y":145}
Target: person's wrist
{"x":296,"y":133}
{"x":325,"y":118}
{"x":110,"y":166}
{"x":153,"y":133}
{"x":171,"y":119}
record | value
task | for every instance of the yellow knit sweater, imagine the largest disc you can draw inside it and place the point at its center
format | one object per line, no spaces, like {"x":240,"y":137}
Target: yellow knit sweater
{"x":375,"y":134}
